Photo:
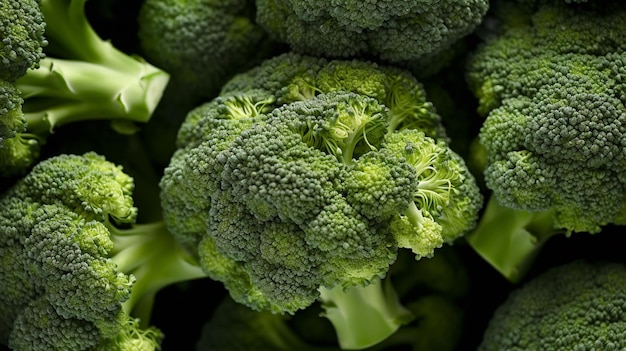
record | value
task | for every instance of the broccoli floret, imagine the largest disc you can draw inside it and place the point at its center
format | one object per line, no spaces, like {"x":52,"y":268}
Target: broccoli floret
{"x":433,"y":291}
{"x":287,"y":183}
{"x":446,"y":200}
{"x":392,"y":30}
{"x":201,"y":43}
{"x":82,"y":77}
{"x":78,"y":273}
{"x":575,"y":306}
{"x":22,"y":32}
{"x":549,"y":84}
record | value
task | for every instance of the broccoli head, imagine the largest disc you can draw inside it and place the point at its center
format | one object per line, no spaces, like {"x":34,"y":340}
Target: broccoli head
{"x":392,"y":30}
{"x":549,"y":84}
{"x":77,"y":273}
{"x":574,"y":306}
{"x":290,"y":181}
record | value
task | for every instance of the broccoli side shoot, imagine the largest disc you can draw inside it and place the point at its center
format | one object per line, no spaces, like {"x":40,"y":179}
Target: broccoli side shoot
{"x":292,"y":179}
{"x":77,"y":273}
{"x":550,"y":86}
{"x":82,"y":77}
{"x":391,"y":30}
{"x":575,"y":306}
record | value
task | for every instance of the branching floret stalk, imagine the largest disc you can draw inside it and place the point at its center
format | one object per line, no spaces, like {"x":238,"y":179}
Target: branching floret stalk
{"x":244,"y":107}
{"x":149,"y":253}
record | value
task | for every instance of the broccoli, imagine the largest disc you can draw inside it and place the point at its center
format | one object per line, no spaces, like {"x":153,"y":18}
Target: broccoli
{"x":57,"y":70}
{"x":573,"y":306}
{"x":395,"y":31}
{"x":78,"y":272}
{"x":201,"y":43}
{"x":549,"y":84}
{"x":307,"y":175}
{"x":433,"y":291}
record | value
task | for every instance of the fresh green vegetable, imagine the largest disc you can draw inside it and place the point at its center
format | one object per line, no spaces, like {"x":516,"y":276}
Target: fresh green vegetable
{"x":201,"y":43}
{"x":433,"y":291}
{"x":77,"y":272}
{"x":80,"y":77}
{"x":575,"y":306}
{"x":394,"y":31}
{"x":550,"y":86}
{"x":308,"y":175}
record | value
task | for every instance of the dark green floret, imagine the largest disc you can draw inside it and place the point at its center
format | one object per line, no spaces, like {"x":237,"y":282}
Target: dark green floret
{"x":575,"y":306}
{"x":391,"y":30}
{"x":78,"y":273}
{"x":549,"y":83}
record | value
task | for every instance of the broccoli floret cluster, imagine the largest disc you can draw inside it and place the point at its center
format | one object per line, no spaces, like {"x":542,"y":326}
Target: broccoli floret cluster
{"x":391,"y":30}
{"x":55,"y":70}
{"x":201,"y":43}
{"x":574,"y":306}
{"x":549,"y":82}
{"x":306,"y":173}
{"x":77,"y":272}
{"x":551,"y":88}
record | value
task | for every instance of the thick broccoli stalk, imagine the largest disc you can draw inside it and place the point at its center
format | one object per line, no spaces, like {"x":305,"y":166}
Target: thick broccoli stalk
{"x":433,"y":291}
{"x":549,"y":83}
{"x":575,"y":306}
{"x":78,"y":273}
{"x":287,"y":184}
{"x":510,"y":239}
{"x":82,"y":77}
{"x":392,"y":30}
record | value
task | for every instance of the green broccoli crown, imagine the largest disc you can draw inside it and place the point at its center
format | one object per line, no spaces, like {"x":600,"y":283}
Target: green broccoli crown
{"x":575,"y":306}
{"x":284,"y":183}
{"x":62,"y":291}
{"x":391,"y":30}
{"x":21,"y":38}
{"x":201,"y":43}
{"x":551,"y":88}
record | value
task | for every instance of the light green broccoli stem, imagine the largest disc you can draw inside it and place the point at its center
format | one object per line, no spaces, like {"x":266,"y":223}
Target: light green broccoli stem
{"x":510,"y":239}
{"x":363,"y":316}
{"x":65,"y":91}
{"x":150,"y":253}
{"x":353,"y":127}
{"x":85,"y":77}
{"x":244,"y":107}
{"x":70,"y":35}
{"x":414,"y":215}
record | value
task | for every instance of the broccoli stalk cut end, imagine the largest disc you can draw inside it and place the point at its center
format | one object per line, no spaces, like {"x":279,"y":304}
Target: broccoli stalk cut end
{"x":363,"y":316}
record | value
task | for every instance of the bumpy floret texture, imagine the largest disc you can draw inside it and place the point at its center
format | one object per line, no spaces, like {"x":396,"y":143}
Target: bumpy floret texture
{"x":60,"y":290}
{"x":575,"y":306}
{"x":552,"y":88}
{"x":201,"y":43}
{"x":391,"y":30}
{"x":21,"y":38}
{"x":284,"y":183}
